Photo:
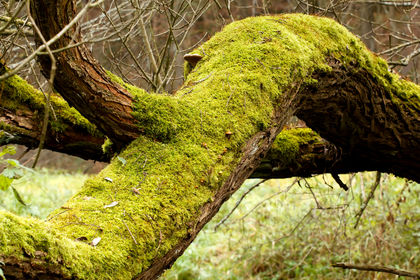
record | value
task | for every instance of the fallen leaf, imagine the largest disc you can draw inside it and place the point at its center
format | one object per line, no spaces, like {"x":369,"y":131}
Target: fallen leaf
{"x":112,"y":204}
{"x":122,"y":160}
{"x":95,"y":241}
{"x":108,"y":179}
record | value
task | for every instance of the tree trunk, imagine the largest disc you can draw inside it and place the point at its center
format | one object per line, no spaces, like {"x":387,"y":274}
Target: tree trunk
{"x":194,"y":149}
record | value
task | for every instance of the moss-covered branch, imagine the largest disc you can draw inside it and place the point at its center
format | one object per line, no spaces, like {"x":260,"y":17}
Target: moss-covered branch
{"x":296,"y":152}
{"x":22,"y":108}
{"x":211,"y":136}
{"x":301,"y":152}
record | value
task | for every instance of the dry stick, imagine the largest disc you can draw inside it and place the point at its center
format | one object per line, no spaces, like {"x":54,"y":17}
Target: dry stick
{"x":378,"y":268}
{"x":365,"y":203}
{"x":237,"y":203}
{"x":339,"y":182}
{"x":129,"y":231}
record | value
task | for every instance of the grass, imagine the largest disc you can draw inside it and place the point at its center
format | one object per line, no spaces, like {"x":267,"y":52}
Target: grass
{"x":287,"y":237}
{"x":43,"y":191}
{"x":276,"y":232}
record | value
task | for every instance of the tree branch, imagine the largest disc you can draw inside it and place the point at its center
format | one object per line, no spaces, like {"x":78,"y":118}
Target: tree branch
{"x":81,"y":81}
{"x":378,"y":268}
{"x":22,"y":109}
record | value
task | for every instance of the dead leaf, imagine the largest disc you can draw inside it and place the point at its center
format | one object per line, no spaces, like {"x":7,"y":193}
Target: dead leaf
{"x":112,"y":204}
{"x":95,"y":241}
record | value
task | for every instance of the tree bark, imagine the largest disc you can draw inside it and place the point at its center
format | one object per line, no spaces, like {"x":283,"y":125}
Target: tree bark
{"x":80,"y":80}
{"x":196,"y":148}
{"x":378,"y":127}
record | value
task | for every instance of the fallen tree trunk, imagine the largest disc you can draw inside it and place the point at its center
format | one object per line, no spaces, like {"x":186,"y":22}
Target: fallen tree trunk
{"x":194,"y":149}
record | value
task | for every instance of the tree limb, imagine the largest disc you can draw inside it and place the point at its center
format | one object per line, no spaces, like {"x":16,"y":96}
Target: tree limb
{"x":21,"y":118}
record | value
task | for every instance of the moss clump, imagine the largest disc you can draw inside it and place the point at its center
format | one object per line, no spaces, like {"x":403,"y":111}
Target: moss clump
{"x":287,"y":145}
{"x":107,"y":146}
{"x":145,"y":204}
{"x":16,"y":92}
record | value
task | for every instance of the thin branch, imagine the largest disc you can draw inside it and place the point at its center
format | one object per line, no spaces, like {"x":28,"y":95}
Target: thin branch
{"x":8,"y":74}
{"x":366,"y":202}
{"x":238,"y":203}
{"x":50,"y":82}
{"x":268,"y":198}
{"x":378,"y":268}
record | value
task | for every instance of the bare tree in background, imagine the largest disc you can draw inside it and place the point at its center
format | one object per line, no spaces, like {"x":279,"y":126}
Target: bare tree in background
{"x":144,"y":41}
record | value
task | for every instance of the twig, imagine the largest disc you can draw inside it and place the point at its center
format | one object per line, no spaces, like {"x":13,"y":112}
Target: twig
{"x":296,"y":226}
{"x":52,"y":40}
{"x":339,"y":182}
{"x":365,"y":203}
{"x":132,"y":236}
{"x":50,"y":82}
{"x":378,"y":268}
{"x":268,"y":198}
{"x":237,"y":203}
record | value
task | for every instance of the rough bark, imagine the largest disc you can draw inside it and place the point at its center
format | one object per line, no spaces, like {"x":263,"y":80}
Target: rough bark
{"x":197,"y":147}
{"x":313,"y":155}
{"x":82,"y":82}
{"x":376,"y":127}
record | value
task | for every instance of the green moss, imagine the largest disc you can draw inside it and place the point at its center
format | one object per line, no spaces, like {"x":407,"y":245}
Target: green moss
{"x":287,"y":144}
{"x":16,"y":92}
{"x":107,"y":146}
{"x":144,"y":205}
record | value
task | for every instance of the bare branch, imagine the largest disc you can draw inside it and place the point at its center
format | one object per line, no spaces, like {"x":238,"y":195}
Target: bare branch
{"x":378,"y":268}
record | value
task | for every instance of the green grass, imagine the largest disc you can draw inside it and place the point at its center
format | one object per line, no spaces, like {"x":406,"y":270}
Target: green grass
{"x":285,"y":237}
{"x":43,"y":191}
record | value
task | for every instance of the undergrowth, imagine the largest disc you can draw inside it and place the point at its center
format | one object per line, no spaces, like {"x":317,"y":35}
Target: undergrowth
{"x":279,"y":232}
{"x":43,"y":191}
{"x":287,"y":237}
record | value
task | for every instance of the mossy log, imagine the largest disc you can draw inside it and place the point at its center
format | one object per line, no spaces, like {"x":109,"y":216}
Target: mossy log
{"x":182,"y":165}
{"x":22,"y":110}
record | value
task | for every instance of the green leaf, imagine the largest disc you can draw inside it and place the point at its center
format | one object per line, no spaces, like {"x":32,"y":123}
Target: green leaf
{"x":5,"y":182}
{"x":18,"y":197}
{"x":123,"y":161}
{"x":13,"y":173}
{"x":13,"y":162}
{"x":8,"y":150}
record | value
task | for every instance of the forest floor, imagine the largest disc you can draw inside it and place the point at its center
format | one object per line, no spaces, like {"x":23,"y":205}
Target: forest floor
{"x":283,"y":229}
